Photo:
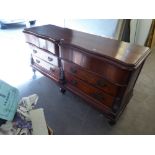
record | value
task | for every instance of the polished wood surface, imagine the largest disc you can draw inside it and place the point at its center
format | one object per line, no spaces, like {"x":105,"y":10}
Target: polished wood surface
{"x":89,"y":90}
{"x":46,"y":56}
{"x":45,"y":32}
{"x":125,"y":53}
{"x":95,"y":80}
{"x":110,"y":72}
{"x":100,"y":70}
{"x":47,"y":68}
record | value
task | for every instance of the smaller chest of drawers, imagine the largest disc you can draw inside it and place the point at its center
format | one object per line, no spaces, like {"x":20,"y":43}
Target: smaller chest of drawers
{"x":45,"y":61}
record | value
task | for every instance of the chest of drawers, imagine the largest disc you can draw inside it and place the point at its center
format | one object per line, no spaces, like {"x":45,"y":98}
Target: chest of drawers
{"x":100,"y":70}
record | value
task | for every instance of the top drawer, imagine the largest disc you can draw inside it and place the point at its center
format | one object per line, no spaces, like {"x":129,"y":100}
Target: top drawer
{"x":91,"y":62}
{"x":42,"y":43}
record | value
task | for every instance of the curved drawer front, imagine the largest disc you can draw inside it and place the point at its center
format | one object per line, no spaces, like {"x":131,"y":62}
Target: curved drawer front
{"x":46,"y":67}
{"x":50,"y":58}
{"x":88,"y":90}
{"x":109,"y":71}
{"x":31,"y":39}
{"x":41,"y":43}
{"x":91,"y":78}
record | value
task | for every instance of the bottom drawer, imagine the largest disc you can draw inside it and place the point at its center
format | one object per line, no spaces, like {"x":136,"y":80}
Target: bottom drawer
{"x":47,"y":68}
{"x":89,"y":90}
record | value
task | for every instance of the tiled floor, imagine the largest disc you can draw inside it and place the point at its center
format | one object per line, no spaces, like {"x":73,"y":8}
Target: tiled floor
{"x":69,"y":114}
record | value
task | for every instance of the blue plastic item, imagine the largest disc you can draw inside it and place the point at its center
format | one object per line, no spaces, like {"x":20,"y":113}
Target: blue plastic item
{"x":9,"y":99}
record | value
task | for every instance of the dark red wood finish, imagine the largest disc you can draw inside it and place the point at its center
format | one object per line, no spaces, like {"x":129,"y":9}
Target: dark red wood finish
{"x":129,"y":55}
{"x":45,"y":55}
{"x":102,"y":71}
{"x":88,"y":90}
{"x":91,"y":78}
{"x":97,"y":65}
{"x":51,"y":70}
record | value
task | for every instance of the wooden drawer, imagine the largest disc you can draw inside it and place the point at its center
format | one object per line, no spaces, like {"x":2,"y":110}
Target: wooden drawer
{"x":72,"y":81}
{"x":41,"y":43}
{"x":46,"y":67}
{"x":50,"y":58}
{"x":91,"y":78}
{"x":92,"y":63}
{"x":32,"y":39}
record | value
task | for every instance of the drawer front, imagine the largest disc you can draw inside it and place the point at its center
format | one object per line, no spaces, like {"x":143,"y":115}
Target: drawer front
{"x":89,"y":90}
{"x":92,"y":63}
{"x":48,"y":45}
{"x":46,"y":67}
{"x":32,"y":39}
{"x":50,"y":58}
{"x":91,"y":78}
{"x":41,"y":43}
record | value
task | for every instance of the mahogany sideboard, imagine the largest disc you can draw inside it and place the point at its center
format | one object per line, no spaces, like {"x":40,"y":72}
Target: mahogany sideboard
{"x":102,"y":71}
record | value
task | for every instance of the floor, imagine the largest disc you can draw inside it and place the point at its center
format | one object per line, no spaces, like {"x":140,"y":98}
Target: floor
{"x":68,"y":114}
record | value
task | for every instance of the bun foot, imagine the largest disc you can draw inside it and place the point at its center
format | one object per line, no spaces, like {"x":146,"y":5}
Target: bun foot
{"x":62,"y":90}
{"x":112,"y":122}
{"x":33,"y":70}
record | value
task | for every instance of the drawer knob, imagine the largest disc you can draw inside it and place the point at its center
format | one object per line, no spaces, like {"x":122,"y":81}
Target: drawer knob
{"x":50,"y":59}
{"x":37,"y":61}
{"x":34,"y":51}
{"x":101,"y":83}
{"x":73,"y":70}
{"x":74,"y":82}
{"x":97,"y":96}
{"x":52,"y":69}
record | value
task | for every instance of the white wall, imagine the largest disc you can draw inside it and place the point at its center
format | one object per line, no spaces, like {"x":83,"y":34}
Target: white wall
{"x":104,"y":27}
{"x":53,"y":21}
{"x":139,"y":30}
{"x":101,"y":27}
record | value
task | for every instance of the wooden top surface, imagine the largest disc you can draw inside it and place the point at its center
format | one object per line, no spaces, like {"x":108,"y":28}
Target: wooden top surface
{"x":119,"y":51}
